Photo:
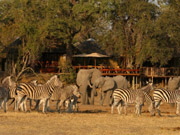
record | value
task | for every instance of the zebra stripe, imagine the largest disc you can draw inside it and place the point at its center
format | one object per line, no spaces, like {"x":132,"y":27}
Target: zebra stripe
{"x":162,"y":95}
{"x":32,"y":91}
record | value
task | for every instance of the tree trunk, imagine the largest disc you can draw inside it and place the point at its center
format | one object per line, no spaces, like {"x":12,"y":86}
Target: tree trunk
{"x":69,"y":53}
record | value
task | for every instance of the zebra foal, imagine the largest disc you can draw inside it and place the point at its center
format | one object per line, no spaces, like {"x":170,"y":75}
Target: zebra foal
{"x":37,"y":92}
{"x":123,"y":97}
{"x":162,"y":95}
{"x":68,"y":94}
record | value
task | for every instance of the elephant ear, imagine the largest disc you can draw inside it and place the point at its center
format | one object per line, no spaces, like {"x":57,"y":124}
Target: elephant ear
{"x":95,"y":75}
{"x":108,"y":84}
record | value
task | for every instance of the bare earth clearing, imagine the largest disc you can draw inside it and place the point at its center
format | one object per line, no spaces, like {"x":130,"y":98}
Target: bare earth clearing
{"x":90,"y":120}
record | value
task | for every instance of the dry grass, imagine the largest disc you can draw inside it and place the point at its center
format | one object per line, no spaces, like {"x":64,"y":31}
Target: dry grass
{"x":91,"y":120}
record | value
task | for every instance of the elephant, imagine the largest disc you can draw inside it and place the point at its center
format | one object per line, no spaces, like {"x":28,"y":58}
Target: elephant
{"x":174,"y":83}
{"x":107,"y":86}
{"x":85,"y":79}
{"x":121,"y":81}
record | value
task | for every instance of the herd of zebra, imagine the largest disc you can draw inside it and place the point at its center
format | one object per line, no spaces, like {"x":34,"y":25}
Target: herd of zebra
{"x":68,"y":95}
{"x":122,"y":97}
{"x":53,"y":89}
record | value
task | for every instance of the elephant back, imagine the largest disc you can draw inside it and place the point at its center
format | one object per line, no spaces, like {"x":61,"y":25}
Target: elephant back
{"x":121,"y":81}
{"x":173,"y":83}
{"x":109,"y":84}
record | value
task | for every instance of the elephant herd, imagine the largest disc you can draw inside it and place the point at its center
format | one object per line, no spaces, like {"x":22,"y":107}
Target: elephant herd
{"x":89,"y":80}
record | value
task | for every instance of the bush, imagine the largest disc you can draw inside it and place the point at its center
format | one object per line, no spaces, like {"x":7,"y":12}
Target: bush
{"x":69,"y":75}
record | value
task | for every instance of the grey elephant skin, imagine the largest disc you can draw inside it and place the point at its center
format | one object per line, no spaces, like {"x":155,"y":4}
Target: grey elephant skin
{"x":174,"y":83}
{"x":86,"y":78}
{"x":107,"y":86}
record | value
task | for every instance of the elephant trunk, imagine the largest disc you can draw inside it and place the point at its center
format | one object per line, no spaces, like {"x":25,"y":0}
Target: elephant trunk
{"x":93,"y":93}
{"x":84,"y":96}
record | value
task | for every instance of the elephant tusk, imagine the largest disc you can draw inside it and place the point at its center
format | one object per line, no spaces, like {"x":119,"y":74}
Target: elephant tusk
{"x":90,"y":84}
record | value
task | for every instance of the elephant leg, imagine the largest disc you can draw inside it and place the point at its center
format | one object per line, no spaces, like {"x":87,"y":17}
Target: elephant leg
{"x":92,"y":98}
{"x":102,"y":96}
{"x":107,"y":96}
{"x":84,"y":97}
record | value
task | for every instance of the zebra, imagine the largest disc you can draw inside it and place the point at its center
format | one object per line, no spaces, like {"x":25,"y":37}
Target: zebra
{"x":9,"y":84}
{"x":4,"y":94}
{"x":125,"y":96}
{"x":163,"y":95}
{"x":42,"y":93}
{"x":68,"y":94}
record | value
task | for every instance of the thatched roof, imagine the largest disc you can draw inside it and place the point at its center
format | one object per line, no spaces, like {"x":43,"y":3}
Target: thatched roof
{"x":96,"y":55}
{"x":88,"y":47}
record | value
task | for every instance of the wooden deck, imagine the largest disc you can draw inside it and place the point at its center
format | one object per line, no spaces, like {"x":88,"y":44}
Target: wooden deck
{"x":108,"y":71}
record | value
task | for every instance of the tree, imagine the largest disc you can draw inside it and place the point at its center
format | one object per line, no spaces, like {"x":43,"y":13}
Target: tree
{"x":131,"y":23}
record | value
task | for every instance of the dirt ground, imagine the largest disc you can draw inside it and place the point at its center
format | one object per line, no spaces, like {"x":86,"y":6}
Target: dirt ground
{"x":90,"y":120}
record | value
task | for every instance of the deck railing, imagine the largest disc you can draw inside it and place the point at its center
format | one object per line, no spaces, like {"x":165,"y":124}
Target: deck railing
{"x":107,"y":70}
{"x":160,"y":72}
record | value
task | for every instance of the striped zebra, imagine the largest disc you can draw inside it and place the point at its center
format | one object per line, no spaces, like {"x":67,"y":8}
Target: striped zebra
{"x":123,"y":97}
{"x":162,"y":95}
{"x":36,"y":92}
{"x":9,"y":84}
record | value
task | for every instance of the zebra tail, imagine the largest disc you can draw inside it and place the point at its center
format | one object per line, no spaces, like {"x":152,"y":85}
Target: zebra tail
{"x":112,"y":101}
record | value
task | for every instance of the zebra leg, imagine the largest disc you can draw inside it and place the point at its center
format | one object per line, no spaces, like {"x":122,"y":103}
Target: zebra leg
{"x":17,"y":102}
{"x":125,"y":108}
{"x":1,"y":103}
{"x":112,"y":108}
{"x":5,"y":104}
{"x":48,"y":106}
{"x":177,"y":110}
{"x":57,"y":103}
{"x":61,"y":103}
{"x":45,"y":102}
{"x":151,"y":109}
{"x":23,"y":104}
{"x":30,"y":104}
{"x":119,"y":108}
{"x":157,"y":105}
{"x":70,"y":106}
{"x":44,"y":105}
{"x":137,"y":108}
{"x":140,"y":109}
{"x":37,"y":105}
